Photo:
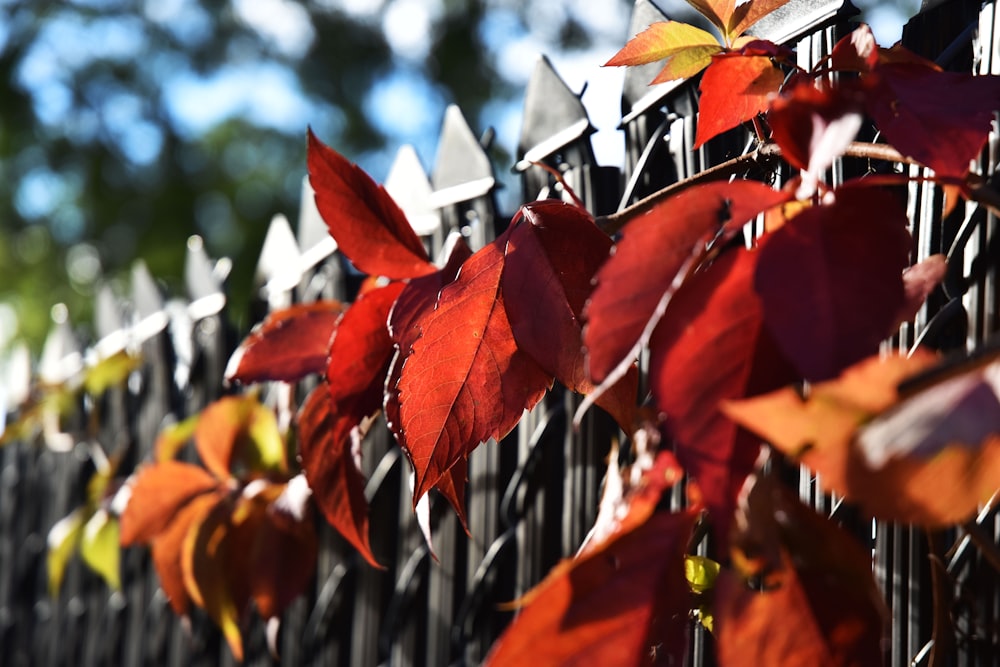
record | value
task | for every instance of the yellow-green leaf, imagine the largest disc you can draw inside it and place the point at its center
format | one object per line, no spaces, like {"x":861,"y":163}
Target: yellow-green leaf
{"x":62,"y":541}
{"x":701,"y":573}
{"x":99,"y":547}
{"x":173,"y":438}
{"x":690,"y":47}
{"x":109,"y":372}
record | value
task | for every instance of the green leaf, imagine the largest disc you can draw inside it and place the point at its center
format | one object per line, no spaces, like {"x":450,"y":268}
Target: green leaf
{"x":62,"y":541}
{"x":100,"y":548}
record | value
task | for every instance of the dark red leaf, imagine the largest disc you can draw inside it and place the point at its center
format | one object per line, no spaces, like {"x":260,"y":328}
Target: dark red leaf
{"x":830,"y":279}
{"x":914,"y":106}
{"x":820,"y":605}
{"x":857,"y":52}
{"x":650,"y":261}
{"x":158,"y":494}
{"x":364,"y":220}
{"x":288,"y":345}
{"x":281,"y":558}
{"x":620,"y":604}
{"x":553,"y":252}
{"x":734,"y":89}
{"x":814,"y":125}
{"x":710,"y":347}
{"x":329,"y":444}
{"x":464,"y":380}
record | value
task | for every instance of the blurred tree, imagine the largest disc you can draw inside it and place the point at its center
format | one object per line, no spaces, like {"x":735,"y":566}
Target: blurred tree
{"x":127,"y":125}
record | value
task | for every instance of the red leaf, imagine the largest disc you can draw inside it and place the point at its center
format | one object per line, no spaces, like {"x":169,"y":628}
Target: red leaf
{"x":552,"y":254}
{"x":360,"y":353}
{"x":452,"y":487}
{"x":367,"y":224}
{"x":653,"y":256}
{"x":619,"y":604}
{"x":167,"y":548}
{"x":464,"y":380}
{"x":734,"y":89}
{"x":288,"y":345}
{"x":820,"y":605}
{"x":327,"y":445}
{"x":830,"y":279}
{"x":158,"y":494}
{"x":914,"y":106}
{"x":418,"y":296}
{"x":710,"y":347}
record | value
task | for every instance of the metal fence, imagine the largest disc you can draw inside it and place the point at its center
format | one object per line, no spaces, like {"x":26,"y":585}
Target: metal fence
{"x":531,"y":498}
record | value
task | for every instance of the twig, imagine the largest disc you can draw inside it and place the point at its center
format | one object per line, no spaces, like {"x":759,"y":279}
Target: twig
{"x":764,"y":157}
{"x":984,"y":542}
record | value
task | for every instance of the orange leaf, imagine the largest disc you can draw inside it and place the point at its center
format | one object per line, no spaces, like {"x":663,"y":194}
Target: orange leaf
{"x":819,"y":605}
{"x":747,"y":14}
{"x":735,"y":88}
{"x":158,"y":494}
{"x":618,"y":604}
{"x":168,"y":546}
{"x":213,"y":573}
{"x":239,"y":432}
{"x":930,"y":458}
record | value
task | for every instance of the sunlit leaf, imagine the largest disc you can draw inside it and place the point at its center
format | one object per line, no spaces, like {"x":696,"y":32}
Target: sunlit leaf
{"x":746,"y":14}
{"x":100,"y":547}
{"x":701,"y":573}
{"x":288,"y":345}
{"x":919,"y":281}
{"x":688,"y":50}
{"x":367,"y":224}
{"x":734,"y":89}
{"x":464,"y":379}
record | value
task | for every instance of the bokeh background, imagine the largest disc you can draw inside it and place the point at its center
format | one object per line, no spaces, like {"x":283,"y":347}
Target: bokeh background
{"x":128,"y":125}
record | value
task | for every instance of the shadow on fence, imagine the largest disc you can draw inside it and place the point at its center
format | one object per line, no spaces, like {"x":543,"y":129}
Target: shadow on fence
{"x":531,"y":498}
